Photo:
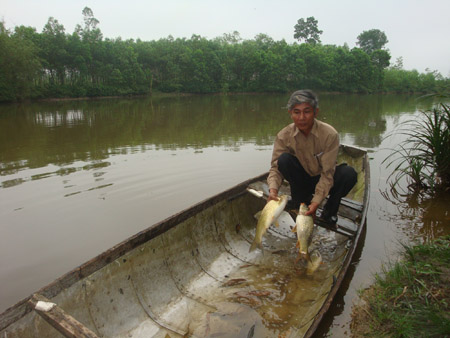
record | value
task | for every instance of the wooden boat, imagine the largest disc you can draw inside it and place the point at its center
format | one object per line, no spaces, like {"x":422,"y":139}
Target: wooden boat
{"x":193,"y":275}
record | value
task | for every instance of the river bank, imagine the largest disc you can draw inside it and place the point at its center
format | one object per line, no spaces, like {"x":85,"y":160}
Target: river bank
{"x":409,"y":298}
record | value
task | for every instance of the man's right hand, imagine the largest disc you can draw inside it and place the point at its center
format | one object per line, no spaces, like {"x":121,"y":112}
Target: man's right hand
{"x":273,"y":195}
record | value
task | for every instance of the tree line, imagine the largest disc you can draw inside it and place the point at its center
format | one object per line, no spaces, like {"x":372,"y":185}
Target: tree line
{"x":55,"y":64}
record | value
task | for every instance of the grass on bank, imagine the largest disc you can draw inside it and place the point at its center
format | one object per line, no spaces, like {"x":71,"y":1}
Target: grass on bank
{"x":410,"y":298}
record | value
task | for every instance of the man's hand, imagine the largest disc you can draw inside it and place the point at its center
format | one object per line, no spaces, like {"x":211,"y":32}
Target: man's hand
{"x":273,"y":195}
{"x":312,"y":209}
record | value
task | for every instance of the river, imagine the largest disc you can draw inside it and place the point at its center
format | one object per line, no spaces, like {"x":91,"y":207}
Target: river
{"x":77,"y":177}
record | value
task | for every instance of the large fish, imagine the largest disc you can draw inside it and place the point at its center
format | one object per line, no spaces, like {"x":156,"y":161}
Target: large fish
{"x":304,"y":226}
{"x":269,"y":216}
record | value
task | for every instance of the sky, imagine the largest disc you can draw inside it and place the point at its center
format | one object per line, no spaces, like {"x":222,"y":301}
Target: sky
{"x":417,"y":30}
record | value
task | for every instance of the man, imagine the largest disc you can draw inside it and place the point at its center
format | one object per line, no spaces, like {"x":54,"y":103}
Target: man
{"x":305,"y":154}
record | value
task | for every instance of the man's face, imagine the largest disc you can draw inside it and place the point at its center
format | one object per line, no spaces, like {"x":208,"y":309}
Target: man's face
{"x":303,"y":116}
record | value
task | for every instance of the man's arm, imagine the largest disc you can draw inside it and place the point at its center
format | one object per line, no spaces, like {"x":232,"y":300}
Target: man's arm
{"x":275,"y":178}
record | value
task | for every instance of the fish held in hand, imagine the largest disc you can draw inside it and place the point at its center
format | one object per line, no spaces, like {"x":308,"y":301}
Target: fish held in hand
{"x":269,"y":216}
{"x":304,"y":226}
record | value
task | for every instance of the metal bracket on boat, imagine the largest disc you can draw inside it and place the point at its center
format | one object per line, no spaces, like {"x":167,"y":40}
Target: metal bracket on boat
{"x":256,"y":193}
{"x":58,"y":319}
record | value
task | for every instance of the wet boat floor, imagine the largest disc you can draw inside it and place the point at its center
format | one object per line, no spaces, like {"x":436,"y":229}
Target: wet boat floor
{"x":201,"y":280}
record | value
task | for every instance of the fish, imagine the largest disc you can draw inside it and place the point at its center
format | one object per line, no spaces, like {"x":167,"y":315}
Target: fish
{"x":314,"y":263}
{"x":269,"y":216}
{"x":304,"y":226}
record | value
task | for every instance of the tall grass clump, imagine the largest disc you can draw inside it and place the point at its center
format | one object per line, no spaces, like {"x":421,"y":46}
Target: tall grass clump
{"x":423,"y":158}
{"x":411,"y":297}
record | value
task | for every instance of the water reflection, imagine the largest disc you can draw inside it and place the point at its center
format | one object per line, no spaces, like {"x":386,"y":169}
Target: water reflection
{"x":61,"y":119}
{"x":428,"y":217}
{"x":59,"y":172}
{"x":12,"y":183}
{"x":60,"y":133}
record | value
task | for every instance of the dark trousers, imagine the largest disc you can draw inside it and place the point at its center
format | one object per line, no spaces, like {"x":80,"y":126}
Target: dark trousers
{"x":303,"y":185}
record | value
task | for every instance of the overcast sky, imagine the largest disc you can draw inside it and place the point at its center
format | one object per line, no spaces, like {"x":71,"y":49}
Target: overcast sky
{"x":417,"y":30}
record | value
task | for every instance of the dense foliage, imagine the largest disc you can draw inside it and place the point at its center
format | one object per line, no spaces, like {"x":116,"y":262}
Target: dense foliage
{"x":85,"y":64}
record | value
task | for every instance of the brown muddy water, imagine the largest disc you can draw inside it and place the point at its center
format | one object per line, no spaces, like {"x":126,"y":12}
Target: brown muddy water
{"x":78,"y":177}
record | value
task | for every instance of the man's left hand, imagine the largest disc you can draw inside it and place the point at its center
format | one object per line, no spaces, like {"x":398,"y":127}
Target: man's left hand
{"x":312,"y":209}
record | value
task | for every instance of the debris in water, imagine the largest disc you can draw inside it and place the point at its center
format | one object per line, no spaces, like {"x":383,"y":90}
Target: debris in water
{"x":234,"y":281}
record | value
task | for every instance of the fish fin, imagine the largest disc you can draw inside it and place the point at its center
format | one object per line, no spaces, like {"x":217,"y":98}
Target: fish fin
{"x":254,"y":246}
{"x":277,"y":224}
{"x":297,"y":245}
{"x":294,"y":229}
{"x":258,"y":215}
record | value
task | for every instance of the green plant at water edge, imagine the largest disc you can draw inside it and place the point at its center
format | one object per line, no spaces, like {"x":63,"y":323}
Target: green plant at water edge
{"x":433,"y":141}
{"x":411,"y":298}
{"x":423,"y":159}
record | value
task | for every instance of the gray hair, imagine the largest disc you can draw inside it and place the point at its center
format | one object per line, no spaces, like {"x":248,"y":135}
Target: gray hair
{"x":303,"y":96}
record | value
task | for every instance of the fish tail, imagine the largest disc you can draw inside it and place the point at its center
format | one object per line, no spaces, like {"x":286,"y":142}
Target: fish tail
{"x":305,"y":256}
{"x":255,"y":245}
